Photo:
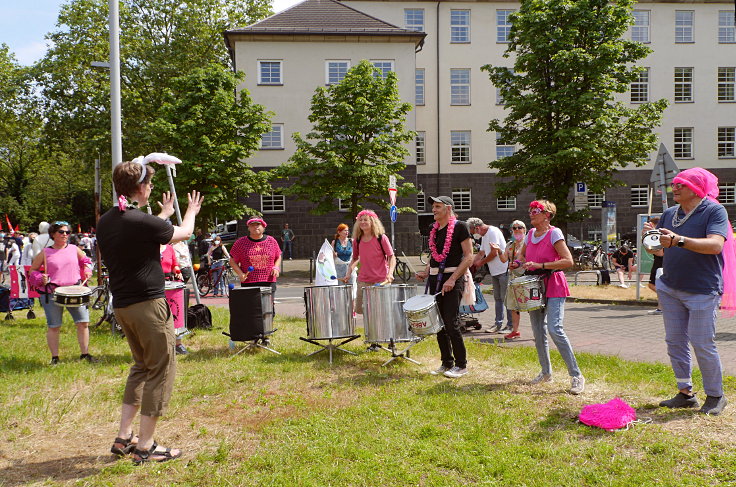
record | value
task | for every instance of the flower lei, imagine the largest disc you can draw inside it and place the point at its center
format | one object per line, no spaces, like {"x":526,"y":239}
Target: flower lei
{"x":448,"y":240}
{"x":124,"y":205}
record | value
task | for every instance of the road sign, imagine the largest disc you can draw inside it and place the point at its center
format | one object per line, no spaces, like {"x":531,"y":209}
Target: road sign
{"x":664,"y":168}
{"x":581,"y":188}
{"x":392,"y":182}
{"x":392,"y":196}
{"x":394,"y":212}
{"x":581,"y":196}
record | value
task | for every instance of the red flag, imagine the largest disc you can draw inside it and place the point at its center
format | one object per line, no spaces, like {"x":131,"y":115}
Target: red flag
{"x":79,"y":228}
{"x":10,"y":227}
{"x":17,"y":228}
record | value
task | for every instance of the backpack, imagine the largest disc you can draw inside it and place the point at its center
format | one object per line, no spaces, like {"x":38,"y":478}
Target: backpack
{"x":199,"y":316}
{"x":380,"y":244}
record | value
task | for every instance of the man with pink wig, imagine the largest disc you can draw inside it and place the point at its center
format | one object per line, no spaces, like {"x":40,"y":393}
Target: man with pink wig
{"x":698,"y":277}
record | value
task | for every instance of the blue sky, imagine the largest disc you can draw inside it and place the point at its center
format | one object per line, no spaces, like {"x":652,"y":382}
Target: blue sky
{"x":24,"y":23}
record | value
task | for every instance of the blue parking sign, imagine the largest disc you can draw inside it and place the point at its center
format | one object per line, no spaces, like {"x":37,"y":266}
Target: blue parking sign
{"x":394,"y":212}
{"x":580,"y":188}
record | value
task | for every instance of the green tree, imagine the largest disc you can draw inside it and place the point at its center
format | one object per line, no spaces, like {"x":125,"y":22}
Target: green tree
{"x":562,"y":112}
{"x":357,"y":141}
{"x":213,"y":131}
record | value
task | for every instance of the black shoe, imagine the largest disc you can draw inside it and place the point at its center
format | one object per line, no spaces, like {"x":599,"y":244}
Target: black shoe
{"x":680,"y":401}
{"x":54,"y":361}
{"x":181,"y":349}
{"x":89,"y":358}
{"x":713,"y":405}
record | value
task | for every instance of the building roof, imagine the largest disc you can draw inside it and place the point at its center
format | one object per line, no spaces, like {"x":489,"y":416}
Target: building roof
{"x":324,"y":17}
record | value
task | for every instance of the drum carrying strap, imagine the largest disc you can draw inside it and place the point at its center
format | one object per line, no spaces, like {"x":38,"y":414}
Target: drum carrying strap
{"x":438,"y":286}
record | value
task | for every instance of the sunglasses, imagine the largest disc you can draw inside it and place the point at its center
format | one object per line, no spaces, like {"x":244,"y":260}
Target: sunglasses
{"x":64,"y":232}
{"x":535,"y":211}
{"x":61,"y":222}
{"x":517,"y":228}
{"x":678,"y":186}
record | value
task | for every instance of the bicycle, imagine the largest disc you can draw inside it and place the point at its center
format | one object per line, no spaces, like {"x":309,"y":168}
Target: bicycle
{"x":425,"y":253}
{"x":402,"y":271}
{"x":103,"y":301}
{"x":223,"y":274}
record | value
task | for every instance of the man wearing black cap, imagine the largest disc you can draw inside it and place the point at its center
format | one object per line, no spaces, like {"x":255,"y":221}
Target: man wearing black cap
{"x":452,"y":253}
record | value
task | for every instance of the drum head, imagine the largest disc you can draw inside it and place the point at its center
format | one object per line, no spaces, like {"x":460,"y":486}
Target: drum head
{"x":73,"y":290}
{"x":173,"y":285}
{"x":520,"y":281}
{"x":420,"y":302}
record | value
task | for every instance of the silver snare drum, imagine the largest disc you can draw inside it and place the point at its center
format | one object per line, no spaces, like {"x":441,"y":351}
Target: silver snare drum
{"x":423,"y":315}
{"x":650,"y":240}
{"x":72,"y":296}
{"x":383,"y":315}
{"x":526,"y":293}
{"x":329,"y":311}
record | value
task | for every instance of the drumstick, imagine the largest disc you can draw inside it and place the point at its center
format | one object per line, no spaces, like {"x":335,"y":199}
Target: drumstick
{"x":406,"y":259}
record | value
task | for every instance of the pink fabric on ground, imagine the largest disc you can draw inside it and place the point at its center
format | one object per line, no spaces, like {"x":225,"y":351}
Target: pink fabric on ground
{"x":705,"y":184}
{"x":610,"y":416}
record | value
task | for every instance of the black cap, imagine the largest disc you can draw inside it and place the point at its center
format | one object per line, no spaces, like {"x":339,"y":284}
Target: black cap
{"x":445,"y":200}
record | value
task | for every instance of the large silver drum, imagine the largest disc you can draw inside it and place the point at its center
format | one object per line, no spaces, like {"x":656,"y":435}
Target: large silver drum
{"x":383,"y":313}
{"x":329,"y":311}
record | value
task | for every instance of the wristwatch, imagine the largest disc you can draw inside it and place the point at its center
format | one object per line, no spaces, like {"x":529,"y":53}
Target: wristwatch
{"x":681,"y":242}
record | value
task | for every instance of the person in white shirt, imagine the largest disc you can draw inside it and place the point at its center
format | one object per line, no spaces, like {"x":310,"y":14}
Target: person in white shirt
{"x":28,"y":252}
{"x":492,"y":244}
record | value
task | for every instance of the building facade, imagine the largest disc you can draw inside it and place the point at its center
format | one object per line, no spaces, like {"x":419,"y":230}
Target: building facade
{"x":693,"y":65}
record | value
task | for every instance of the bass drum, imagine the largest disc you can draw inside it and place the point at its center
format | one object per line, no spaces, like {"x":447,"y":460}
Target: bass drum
{"x":329,"y":311}
{"x":383,"y":313}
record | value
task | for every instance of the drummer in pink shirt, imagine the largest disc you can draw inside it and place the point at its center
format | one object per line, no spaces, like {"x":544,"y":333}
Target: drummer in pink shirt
{"x":372,"y":248}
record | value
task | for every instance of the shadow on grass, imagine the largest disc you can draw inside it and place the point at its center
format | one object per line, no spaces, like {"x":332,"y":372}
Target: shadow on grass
{"x":62,"y":469}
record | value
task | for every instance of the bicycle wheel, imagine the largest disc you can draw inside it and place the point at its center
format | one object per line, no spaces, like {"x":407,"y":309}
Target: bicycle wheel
{"x":402,"y":271}
{"x":204,"y":284}
{"x":424,"y":256}
{"x":103,"y":296}
{"x":225,"y":284}
{"x":115,"y":327}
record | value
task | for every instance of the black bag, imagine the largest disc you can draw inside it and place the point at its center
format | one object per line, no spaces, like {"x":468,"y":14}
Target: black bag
{"x":605,"y":276}
{"x":199,"y":316}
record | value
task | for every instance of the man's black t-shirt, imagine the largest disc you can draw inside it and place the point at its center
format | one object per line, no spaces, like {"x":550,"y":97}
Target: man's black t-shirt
{"x":455,"y":256}
{"x":130,"y":244}
{"x":623,"y":259}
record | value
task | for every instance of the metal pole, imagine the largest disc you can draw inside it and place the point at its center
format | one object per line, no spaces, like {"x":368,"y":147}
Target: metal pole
{"x":663,"y":186}
{"x":115,"y":110}
{"x":98,"y":190}
{"x":170,"y":177}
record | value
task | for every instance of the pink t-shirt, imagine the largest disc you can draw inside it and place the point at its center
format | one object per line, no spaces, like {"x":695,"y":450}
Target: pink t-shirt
{"x":373,"y":261}
{"x":63,"y":265}
{"x":168,"y":259}
{"x":261,"y":255}
{"x":544,"y":251}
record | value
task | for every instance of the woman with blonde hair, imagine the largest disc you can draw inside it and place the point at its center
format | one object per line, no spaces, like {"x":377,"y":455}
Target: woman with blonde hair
{"x":372,"y":248}
{"x":513,"y":253}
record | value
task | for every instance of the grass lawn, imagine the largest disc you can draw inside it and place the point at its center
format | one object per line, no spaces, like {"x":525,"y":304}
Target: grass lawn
{"x":292,"y":420}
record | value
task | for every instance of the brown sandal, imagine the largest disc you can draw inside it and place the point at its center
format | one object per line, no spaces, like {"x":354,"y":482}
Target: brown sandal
{"x":123,"y":446}
{"x":143,"y":456}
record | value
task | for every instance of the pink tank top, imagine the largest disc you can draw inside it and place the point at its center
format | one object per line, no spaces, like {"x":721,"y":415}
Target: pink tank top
{"x":63,"y":265}
{"x":544,"y":251}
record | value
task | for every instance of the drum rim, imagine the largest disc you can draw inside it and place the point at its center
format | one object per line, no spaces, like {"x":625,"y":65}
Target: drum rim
{"x":60,"y":291}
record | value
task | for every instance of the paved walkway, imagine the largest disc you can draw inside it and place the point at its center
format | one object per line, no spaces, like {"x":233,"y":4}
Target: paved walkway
{"x":628,"y":332}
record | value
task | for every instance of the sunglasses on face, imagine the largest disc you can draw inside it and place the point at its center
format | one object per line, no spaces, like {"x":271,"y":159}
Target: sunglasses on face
{"x":518,"y":228}
{"x":64,"y":232}
{"x":678,"y":186}
{"x":535,"y":211}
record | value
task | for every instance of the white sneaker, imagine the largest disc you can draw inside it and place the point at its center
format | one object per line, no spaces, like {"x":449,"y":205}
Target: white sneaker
{"x":440,"y":371}
{"x":623,"y":286}
{"x":578,"y":385}
{"x":456,"y":372}
{"x":655,"y":311}
{"x":542,"y":377}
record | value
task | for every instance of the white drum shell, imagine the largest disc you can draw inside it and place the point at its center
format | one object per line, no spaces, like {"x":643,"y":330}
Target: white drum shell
{"x":527,"y":293}
{"x":329,"y":311}
{"x":383,"y":314}
{"x":423,"y":315}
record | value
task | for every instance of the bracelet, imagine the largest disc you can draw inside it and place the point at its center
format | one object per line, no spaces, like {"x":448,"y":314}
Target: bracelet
{"x":518,"y":263}
{"x":672,"y":240}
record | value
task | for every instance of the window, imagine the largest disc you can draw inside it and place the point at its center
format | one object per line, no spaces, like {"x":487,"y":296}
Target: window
{"x":414,"y":19}
{"x":683,"y":85}
{"x":726,"y":84}
{"x":503,"y":25}
{"x":727,"y":193}
{"x":420,"y":147}
{"x":640,"y":87}
{"x":384,"y":67}
{"x":274,"y":139}
{"x":459,"y":25}
{"x":726,"y":142}
{"x":684,"y":25}
{"x":683,"y":143}
{"x":273,"y":203}
{"x":726,"y":27}
{"x":459,"y":87}
{"x":595,"y":235}
{"x":506,"y":203}
{"x":461,"y":198}
{"x":595,"y":200}
{"x":503,"y":150}
{"x":269,"y":73}
{"x":639,"y":195}
{"x":336,"y":71}
{"x":419,"y":86}
{"x":460,"y":146}
{"x":343,"y":205}
{"x":421,"y":203}
{"x":640,"y":29}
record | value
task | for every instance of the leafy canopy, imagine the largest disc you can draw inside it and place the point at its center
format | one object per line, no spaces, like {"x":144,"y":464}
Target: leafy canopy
{"x":562,"y":113}
{"x":357,"y":141}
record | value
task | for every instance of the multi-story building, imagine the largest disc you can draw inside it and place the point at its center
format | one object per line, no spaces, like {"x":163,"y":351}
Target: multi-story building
{"x":693,"y":65}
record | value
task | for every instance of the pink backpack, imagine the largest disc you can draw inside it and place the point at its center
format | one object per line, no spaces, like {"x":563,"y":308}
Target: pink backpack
{"x":610,"y":416}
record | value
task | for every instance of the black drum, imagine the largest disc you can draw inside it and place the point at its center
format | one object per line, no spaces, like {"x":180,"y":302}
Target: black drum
{"x":251,"y":313}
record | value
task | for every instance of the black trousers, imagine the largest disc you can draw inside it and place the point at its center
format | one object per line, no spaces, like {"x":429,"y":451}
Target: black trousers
{"x":450,"y":338}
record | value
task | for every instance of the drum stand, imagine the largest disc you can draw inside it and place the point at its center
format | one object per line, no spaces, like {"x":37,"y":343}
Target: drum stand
{"x":253,"y":344}
{"x":331,"y":346}
{"x":405,"y":353}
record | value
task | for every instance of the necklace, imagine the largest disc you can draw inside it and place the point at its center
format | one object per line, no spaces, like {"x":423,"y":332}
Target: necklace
{"x":677,"y":221}
{"x":448,"y":240}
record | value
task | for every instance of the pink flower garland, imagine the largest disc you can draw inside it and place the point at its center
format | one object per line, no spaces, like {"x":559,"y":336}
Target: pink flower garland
{"x":448,"y":240}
